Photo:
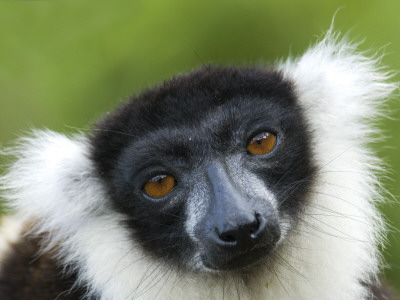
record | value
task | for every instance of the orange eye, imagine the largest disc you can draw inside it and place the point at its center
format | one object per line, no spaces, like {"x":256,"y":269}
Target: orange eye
{"x":262,"y":143}
{"x":159,"y":186}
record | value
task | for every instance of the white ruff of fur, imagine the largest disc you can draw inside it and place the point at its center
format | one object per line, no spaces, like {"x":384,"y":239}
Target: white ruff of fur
{"x":332,"y":250}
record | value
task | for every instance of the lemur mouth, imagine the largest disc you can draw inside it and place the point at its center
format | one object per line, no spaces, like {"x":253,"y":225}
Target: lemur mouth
{"x":225,"y":262}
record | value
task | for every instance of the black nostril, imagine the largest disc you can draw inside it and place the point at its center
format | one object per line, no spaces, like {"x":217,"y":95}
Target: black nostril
{"x":255,"y":227}
{"x":227,"y":237}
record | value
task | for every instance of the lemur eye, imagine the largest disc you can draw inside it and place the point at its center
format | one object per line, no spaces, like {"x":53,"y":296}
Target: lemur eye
{"x":159,"y":186}
{"x":262,"y":143}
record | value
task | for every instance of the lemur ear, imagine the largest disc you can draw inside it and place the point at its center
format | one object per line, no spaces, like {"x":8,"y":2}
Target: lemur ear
{"x":339,"y":85}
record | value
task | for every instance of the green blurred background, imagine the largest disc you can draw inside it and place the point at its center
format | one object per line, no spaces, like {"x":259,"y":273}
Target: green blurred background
{"x":65,"y":63}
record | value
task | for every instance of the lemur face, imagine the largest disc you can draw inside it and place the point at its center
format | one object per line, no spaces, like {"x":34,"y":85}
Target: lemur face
{"x":211,"y":168}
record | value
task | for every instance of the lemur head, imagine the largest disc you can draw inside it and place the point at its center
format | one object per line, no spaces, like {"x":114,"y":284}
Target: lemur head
{"x":211,"y":168}
{"x":224,"y":183}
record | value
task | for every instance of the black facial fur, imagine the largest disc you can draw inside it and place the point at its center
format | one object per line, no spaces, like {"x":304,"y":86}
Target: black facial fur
{"x":183,"y":127}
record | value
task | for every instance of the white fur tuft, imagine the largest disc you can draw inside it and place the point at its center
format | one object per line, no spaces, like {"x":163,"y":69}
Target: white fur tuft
{"x":332,"y":250}
{"x":342,"y":93}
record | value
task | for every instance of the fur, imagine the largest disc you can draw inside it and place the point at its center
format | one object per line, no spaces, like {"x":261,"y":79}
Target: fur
{"x":331,"y":254}
{"x":10,"y":233}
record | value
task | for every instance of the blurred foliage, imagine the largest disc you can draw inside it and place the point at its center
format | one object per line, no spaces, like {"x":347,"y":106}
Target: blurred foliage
{"x":64,"y":63}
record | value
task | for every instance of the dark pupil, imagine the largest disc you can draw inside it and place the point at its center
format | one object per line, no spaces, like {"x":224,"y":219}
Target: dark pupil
{"x":258,"y":141}
{"x":160,"y":180}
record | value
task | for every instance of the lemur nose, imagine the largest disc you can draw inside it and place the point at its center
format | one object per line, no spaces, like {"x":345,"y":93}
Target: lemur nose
{"x":240,"y":231}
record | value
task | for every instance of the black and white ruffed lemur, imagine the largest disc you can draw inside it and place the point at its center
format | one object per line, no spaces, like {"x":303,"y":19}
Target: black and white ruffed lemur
{"x":221,"y":183}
